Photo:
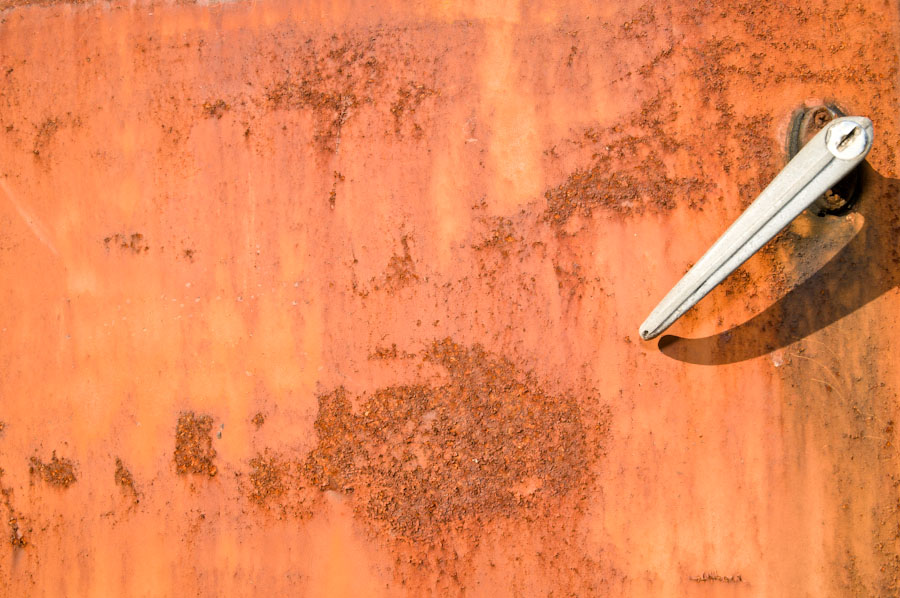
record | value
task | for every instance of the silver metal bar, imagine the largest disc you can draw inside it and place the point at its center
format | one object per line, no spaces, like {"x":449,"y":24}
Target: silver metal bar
{"x":823,"y":161}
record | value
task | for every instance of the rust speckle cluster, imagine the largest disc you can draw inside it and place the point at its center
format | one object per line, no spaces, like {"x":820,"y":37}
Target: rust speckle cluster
{"x":258,"y":420}
{"x":17,"y":536}
{"x":401,"y":269}
{"x":409,"y":97}
{"x":277,"y":484}
{"x":331,"y":82}
{"x":125,"y":480}
{"x":706,"y":577}
{"x":267,"y":475}
{"x":628,"y":173}
{"x":56,"y":471}
{"x":133,"y":242}
{"x":215,"y":109}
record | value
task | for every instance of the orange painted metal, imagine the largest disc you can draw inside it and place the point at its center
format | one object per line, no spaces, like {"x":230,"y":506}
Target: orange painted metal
{"x":341,"y":299}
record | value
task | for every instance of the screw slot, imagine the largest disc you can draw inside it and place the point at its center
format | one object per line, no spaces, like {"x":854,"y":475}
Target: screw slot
{"x":846,"y":139}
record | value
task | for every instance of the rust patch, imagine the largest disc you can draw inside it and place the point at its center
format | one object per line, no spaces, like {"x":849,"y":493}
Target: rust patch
{"x":739,"y":283}
{"x":267,"y":478}
{"x":604,"y":187}
{"x":125,"y":480}
{"x":258,"y":420}
{"x":628,"y":174}
{"x":501,"y":236}
{"x":401,"y":270}
{"x":759,"y":154}
{"x":17,"y":535}
{"x":123,"y":477}
{"x":712,"y":71}
{"x":641,"y":23}
{"x":389,"y":353}
{"x":56,"y":472}
{"x":573,"y":50}
{"x":134,"y":243}
{"x":409,"y":97}
{"x":45,"y":132}
{"x":423,"y":460}
{"x":215,"y":109}
{"x":194,"y":452}
{"x":331,"y":82}
{"x":716,"y":577}
{"x":7,"y":4}
{"x":276,"y":484}
{"x":332,"y":195}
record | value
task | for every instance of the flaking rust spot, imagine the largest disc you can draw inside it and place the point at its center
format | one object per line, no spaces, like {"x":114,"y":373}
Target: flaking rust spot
{"x":758,"y":154}
{"x":7,"y":4}
{"x":389,"y":353}
{"x":333,"y":80}
{"x":332,"y":195}
{"x":409,"y":98}
{"x":267,"y":478}
{"x":628,"y":174}
{"x":633,"y":162}
{"x":194,"y":452}
{"x":17,"y":535}
{"x":401,"y":269}
{"x":399,"y":273}
{"x":258,"y":420}
{"x":423,"y":461}
{"x":601,"y":186}
{"x":739,"y":283}
{"x":501,"y":236}
{"x":215,"y":109}
{"x":641,"y":23}
{"x":133,"y":242}
{"x":45,"y":132}
{"x":56,"y":472}
{"x":276,"y":485}
{"x":707,"y":577}
{"x":125,"y":480}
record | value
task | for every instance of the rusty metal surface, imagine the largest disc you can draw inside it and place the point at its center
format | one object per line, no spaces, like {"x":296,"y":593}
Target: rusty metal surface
{"x":340,"y":299}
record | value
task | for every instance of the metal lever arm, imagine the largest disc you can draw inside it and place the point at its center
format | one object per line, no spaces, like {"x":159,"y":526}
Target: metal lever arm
{"x":822,"y":162}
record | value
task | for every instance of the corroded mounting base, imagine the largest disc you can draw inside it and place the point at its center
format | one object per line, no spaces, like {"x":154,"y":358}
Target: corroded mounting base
{"x":805,"y":123}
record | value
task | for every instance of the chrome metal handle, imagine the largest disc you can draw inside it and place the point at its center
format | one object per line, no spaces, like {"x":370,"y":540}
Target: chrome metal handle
{"x":822,"y":162}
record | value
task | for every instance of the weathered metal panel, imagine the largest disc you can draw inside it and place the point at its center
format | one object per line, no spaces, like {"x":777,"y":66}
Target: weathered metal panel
{"x":342,"y":299}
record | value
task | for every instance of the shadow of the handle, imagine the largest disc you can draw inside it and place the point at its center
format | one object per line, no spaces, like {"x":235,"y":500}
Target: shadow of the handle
{"x":866,"y":268}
